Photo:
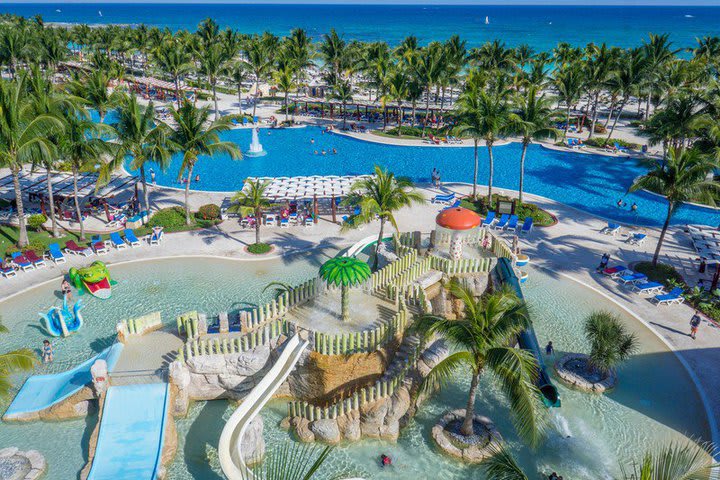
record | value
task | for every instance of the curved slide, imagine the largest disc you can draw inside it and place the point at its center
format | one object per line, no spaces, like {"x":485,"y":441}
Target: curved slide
{"x":230,"y":447}
{"x":528,"y":341}
{"x":40,"y":392}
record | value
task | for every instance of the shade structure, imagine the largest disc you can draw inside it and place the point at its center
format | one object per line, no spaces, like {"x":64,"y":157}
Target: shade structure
{"x":458,"y":219}
{"x":306,"y":187}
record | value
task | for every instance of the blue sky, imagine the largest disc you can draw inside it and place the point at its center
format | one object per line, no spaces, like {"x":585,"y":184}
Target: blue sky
{"x":410,"y":2}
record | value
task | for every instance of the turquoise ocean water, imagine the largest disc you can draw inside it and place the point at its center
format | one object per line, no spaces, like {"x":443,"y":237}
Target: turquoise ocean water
{"x":542,"y":27}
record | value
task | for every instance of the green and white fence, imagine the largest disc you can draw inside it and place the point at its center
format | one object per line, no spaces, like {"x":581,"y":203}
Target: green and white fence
{"x":140,"y":325}
{"x":380,"y":279}
{"x":364,"y":341}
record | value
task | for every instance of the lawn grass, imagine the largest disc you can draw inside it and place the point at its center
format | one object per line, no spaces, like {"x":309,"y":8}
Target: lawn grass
{"x":661,"y":273}
{"x":38,"y":240}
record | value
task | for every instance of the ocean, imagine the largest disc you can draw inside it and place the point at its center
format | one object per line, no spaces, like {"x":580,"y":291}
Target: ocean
{"x":541,"y":27}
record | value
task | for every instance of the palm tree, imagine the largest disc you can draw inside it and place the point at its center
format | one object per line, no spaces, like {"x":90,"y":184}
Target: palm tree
{"x":13,"y":362}
{"x":428,"y":66}
{"x":293,"y":461}
{"x":482,"y":115}
{"x":172,"y":59}
{"x":83,"y":146}
{"x":483,"y":340}
{"x":598,"y":70}
{"x":238,"y":72}
{"x":532,"y":120}
{"x":284,"y":79}
{"x":23,"y":138}
{"x":300,"y":54}
{"x":333,"y":51}
{"x":681,"y":177}
{"x":252,"y":201}
{"x":398,"y":89}
{"x":194,"y":135}
{"x":260,"y":60}
{"x":342,"y":91}
{"x":380,"y":196}
{"x":569,"y":82}
{"x":94,"y":88}
{"x":610,"y":342}
{"x":141,"y":137}
{"x":345,"y":272}
{"x":627,"y":77}
{"x":212,"y":64}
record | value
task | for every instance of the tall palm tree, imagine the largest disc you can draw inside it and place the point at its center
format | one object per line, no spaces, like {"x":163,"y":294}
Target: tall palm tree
{"x":342,"y":91}
{"x":428,"y":66}
{"x":334,"y":53}
{"x":95,"y":89}
{"x":483,"y":115}
{"x":140,"y":136}
{"x":23,"y":138}
{"x":194,"y":135}
{"x":625,"y":80}
{"x":300,"y":53}
{"x":380,"y":196}
{"x":681,"y":177}
{"x":483,"y":340}
{"x":238,"y":73}
{"x":172,"y":59}
{"x":598,"y":69}
{"x":83,"y":145}
{"x":569,"y":83}
{"x":13,"y":362}
{"x":398,"y":90}
{"x":284,"y":79}
{"x":252,"y":201}
{"x":532,"y":120}
{"x":260,"y":60}
{"x":212,"y":64}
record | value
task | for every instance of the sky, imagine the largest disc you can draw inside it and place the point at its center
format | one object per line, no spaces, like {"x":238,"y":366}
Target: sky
{"x":408,"y":2}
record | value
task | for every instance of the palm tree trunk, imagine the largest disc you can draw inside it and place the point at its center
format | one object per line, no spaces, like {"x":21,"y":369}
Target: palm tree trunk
{"x":146,"y":196}
{"x":344,"y":302}
{"x":467,"y":426}
{"x":414,"y":108}
{"x":594,"y":116}
{"x":475,"y":169}
{"x":613,"y":104}
{"x":620,"y":111}
{"x":567,"y":120}
{"x":427,"y":109}
{"x":214,"y":92}
{"x":662,"y":234}
{"x":187,"y":195}
{"x":257,"y":91}
{"x":377,"y":245}
{"x":522,"y":171}
{"x":177,"y":91}
{"x":51,"y":200}
{"x":490,"y":175}
{"x":22,"y":235}
{"x":344,"y":116}
{"x":240,"y":98}
{"x":78,"y":213}
{"x":286,"y":107}
{"x":257,"y":229}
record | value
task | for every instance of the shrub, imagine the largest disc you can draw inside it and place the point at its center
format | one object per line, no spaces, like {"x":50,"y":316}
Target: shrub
{"x":170,"y":218}
{"x":601,"y":142}
{"x":208,"y":212}
{"x":35,"y":222}
{"x":259,"y":248}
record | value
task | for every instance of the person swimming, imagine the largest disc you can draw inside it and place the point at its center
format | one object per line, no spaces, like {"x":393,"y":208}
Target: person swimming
{"x":334,"y":150}
{"x":385,"y":461}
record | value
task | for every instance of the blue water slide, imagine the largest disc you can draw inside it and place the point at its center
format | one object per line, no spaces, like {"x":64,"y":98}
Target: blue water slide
{"x":528,"y":341}
{"x":132,"y":426}
{"x":43,"y":391}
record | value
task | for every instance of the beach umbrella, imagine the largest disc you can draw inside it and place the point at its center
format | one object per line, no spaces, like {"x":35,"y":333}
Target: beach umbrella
{"x":345,"y":272}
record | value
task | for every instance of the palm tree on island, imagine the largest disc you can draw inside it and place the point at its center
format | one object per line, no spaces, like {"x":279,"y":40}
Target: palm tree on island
{"x":483,"y":341}
{"x":195,"y":135}
{"x":610,"y":342}
{"x":380,"y":196}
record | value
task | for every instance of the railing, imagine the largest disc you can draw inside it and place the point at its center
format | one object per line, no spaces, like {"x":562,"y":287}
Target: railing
{"x":387,"y":274}
{"x":381,"y":389}
{"x":140,"y":325}
{"x":460,"y":266}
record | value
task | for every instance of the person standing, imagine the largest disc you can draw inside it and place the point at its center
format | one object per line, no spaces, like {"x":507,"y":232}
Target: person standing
{"x":152,"y":176}
{"x":549,"y":349}
{"x":47,"y":352}
{"x":694,"y":324}
{"x":603,"y":262}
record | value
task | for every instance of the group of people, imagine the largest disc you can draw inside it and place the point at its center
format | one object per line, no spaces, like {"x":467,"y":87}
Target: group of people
{"x":622,"y":204}
{"x":555,"y":476}
{"x":323,"y":151}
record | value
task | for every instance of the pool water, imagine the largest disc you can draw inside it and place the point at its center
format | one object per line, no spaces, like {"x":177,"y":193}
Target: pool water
{"x":172,"y":286}
{"x":592,"y":183}
{"x":589,"y":437}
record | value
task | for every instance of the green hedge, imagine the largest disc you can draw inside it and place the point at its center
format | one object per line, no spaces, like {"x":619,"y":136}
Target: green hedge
{"x":208,"y":212}
{"x":259,"y":248}
{"x":602,"y":142}
{"x":36,"y":221}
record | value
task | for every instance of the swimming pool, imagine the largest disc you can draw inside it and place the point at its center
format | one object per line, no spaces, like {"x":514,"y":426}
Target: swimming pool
{"x":592,"y":183}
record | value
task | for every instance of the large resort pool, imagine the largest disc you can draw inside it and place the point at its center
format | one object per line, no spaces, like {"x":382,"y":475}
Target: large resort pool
{"x":589,"y":437}
{"x":592,"y":183}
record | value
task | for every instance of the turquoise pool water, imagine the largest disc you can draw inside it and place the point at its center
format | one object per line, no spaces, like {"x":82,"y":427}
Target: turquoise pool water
{"x":588,"y":437}
{"x":592,"y":183}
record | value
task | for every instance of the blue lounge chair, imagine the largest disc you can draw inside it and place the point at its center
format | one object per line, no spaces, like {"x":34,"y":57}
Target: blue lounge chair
{"x":454,"y":205}
{"x":117,"y":241}
{"x":8,"y":272}
{"x":504,"y":219}
{"x":131,"y":239}
{"x":611,"y":229}
{"x":616,"y":271}
{"x":513,"y":222}
{"x":620,"y":148}
{"x":489,"y":219}
{"x":55,"y":254}
{"x":446,"y":199}
{"x":245,"y":121}
{"x":23,"y":263}
{"x":650,"y":288}
{"x":156,"y":237}
{"x":637,"y":238}
{"x":527,"y":225}
{"x":632,"y":278}
{"x":674,"y":296}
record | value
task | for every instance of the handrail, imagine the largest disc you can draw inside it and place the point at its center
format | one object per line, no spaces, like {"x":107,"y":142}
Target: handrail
{"x":230,"y":445}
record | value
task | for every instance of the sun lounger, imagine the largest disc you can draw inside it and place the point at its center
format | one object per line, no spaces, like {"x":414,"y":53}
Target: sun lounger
{"x":611,"y":229}
{"x":118,"y":221}
{"x":502,"y":223}
{"x":34,"y":259}
{"x":672,"y":297}
{"x":637,"y":238}
{"x":284,"y":223}
{"x":131,"y":239}
{"x":649,"y":288}
{"x":632,"y":278}
{"x":446,"y":199}
{"x":454,"y":205}
{"x":156,"y":237}
{"x":99,"y":245}
{"x":55,"y":254}
{"x":489,"y":219}
{"x":21,"y":262}
{"x":616,"y":271}
{"x":75,"y":249}
{"x":620,"y":148}
{"x":117,"y":241}
{"x":527,"y":225}
{"x":8,"y":272}
{"x":513,"y":222}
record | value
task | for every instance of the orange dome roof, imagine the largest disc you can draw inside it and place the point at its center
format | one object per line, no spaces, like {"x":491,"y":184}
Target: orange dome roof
{"x":458,"y":219}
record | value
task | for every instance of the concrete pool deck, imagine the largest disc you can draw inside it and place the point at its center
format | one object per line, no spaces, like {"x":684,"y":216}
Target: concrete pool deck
{"x":571,"y":249}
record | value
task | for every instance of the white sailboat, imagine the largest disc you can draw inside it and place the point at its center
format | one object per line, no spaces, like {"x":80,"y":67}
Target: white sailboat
{"x":100,"y":13}
{"x":487,"y":20}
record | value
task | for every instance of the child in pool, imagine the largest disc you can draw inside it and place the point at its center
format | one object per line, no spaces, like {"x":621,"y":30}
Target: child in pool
{"x":47,"y":352}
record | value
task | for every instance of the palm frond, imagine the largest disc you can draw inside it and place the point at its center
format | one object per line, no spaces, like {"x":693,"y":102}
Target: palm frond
{"x":502,"y":466}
